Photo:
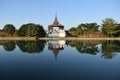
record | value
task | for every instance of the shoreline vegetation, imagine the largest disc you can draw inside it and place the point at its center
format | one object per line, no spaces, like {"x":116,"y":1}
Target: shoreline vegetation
{"x":108,"y":30}
{"x":59,"y":38}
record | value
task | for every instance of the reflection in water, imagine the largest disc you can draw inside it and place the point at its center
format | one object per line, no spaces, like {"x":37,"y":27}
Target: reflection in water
{"x":31,"y":46}
{"x":73,"y":64}
{"x":89,"y":49}
{"x":9,"y":46}
{"x":108,"y":49}
{"x":84,"y":47}
{"x":56,"y":46}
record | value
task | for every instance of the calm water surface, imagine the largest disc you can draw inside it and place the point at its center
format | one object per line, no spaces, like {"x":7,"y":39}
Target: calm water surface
{"x":59,"y":60}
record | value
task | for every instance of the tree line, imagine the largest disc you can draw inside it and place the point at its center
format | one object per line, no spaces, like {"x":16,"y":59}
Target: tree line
{"x":109,"y":28}
{"x":29,"y":29}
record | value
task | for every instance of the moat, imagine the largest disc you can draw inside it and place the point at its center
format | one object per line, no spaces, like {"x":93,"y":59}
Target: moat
{"x":60,"y":60}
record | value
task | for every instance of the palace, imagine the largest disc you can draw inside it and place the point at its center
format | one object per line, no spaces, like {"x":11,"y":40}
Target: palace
{"x":60,"y":32}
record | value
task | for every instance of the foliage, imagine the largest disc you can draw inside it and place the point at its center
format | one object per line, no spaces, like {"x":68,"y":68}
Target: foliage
{"x":117,"y":34}
{"x":31,"y":30}
{"x":72,"y":29}
{"x":85,"y":28}
{"x":10,"y":46}
{"x":9,"y":28}
{"x":79,"y":30}
{"x":22,"y":30}
{"x":109,"y":27}
{"x":89,"y":27}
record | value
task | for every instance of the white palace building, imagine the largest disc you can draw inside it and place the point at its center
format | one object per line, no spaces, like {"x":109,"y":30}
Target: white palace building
{"x":60,"y":32}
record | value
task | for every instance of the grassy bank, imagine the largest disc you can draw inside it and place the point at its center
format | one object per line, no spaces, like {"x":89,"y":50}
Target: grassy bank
{"x":66,"y":38}
{"x":17,"y":38}
{"x":78,"y":38}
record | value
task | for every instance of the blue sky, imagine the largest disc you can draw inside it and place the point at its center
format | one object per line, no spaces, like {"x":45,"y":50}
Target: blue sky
{"x":70,"y":13}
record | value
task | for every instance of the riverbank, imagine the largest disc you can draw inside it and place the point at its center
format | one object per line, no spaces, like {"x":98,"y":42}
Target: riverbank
{"x":17,"y":38}
{"x":66,"y":38}
{"x":78,"y":38}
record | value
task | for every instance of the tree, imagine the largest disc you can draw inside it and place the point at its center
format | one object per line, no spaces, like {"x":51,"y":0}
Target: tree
{"x":93,"y":27}
{"x":9,"y":28}
{"x":90,"y":27}
{"x":109,"y":27}
{"x":31,"y":30}
{"x":72,"y":29}
{"x":22,"y":30}
{"x":117,"y":31}
{"x":79,"y":30}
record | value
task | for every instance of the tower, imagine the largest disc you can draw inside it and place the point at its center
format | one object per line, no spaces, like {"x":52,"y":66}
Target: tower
{"x":57,"y":33}
{"x":56,"y":20}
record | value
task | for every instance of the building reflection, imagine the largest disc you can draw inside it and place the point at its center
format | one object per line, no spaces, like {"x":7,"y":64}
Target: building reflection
{"x":56,"y":46}
{"x":107,"y":49}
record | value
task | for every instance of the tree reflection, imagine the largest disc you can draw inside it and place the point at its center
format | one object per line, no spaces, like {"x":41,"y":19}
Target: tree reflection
{"x":9,"y":46}
{"x":84,"y":47}
{"x":109,"y":49}
{"x":31,"y":46}
{"x":78,"y":46}
{"x":89,"y":49}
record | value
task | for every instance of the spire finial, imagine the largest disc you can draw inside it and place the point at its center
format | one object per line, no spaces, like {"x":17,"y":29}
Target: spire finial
{"x":55,"y":15}
{"x":56,"y":20}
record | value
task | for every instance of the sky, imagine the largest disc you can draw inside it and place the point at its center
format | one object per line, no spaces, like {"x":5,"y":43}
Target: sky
{"x":70,"y":13}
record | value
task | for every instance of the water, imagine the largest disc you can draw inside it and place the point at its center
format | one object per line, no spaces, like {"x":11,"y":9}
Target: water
{"x":59,"y":60}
